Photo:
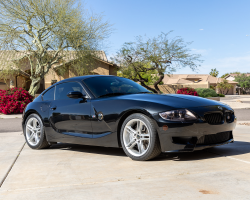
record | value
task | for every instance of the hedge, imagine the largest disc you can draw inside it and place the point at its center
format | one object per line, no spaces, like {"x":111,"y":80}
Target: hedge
{"x":206,"y":92}
{"x":14,"y":100}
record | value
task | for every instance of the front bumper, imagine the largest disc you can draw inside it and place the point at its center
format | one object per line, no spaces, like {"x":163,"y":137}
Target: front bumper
{"x":187,"y":137}
{"x":200,"y":147}
{"x":193,"y":146}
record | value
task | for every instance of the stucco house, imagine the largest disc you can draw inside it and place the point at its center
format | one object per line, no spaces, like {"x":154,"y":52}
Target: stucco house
{"x":231,"y":77}
{"x":196,"y":81}
{"x":20,"y":78}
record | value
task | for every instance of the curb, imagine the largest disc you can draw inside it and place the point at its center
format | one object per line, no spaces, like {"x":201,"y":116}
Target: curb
{"x":243,"y":123}
{"x":19,"y":116}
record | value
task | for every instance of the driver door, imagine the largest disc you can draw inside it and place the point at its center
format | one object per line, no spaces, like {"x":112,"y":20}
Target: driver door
{"x":71,"y":116}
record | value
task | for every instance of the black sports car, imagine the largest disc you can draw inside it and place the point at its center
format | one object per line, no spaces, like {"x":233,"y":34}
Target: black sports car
{"x":112,"y":111}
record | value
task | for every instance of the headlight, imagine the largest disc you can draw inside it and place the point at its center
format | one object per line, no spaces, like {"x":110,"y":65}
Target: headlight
{"x":178,"y":115}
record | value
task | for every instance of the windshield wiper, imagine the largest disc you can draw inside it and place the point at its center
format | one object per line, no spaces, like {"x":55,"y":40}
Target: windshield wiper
{"x":111,"y":94}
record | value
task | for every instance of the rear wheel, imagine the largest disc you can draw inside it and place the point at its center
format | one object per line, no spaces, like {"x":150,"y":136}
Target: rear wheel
{"x":34,"y":132}
{"x":139,"y":138}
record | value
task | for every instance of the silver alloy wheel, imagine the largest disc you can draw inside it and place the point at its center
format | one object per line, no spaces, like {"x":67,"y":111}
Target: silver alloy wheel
{"x":136,"y":137}
{"x":33,"y":131}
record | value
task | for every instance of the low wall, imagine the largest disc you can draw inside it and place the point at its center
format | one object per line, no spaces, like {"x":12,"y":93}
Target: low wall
{"x":214,"y":98}
{"x":3,"y":85}
{"x":172,"y":89}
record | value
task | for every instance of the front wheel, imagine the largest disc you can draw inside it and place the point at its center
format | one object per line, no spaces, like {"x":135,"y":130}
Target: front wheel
{"x":139,"y":138}
{"x":34,"y":132}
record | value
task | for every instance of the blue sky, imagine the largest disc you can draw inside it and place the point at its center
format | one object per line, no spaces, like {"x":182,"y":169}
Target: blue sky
{"x":218,"y":28}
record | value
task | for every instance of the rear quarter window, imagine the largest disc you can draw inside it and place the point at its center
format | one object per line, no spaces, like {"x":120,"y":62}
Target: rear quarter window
{"x":49,"y":95}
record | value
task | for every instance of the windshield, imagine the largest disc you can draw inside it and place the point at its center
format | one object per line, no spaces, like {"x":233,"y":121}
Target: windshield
{"x":112,"y":85}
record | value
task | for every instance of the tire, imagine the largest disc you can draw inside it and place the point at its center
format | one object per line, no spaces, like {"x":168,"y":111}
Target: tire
{"x":141,"y":143}
{"x":34,"y":132}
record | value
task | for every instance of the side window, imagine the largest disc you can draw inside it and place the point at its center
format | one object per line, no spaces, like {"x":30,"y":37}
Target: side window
{"x":63,"y":89}
{"x":49,"y":95}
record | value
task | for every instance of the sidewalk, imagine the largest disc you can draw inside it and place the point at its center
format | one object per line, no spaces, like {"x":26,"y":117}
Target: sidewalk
{"x":246,"y":123}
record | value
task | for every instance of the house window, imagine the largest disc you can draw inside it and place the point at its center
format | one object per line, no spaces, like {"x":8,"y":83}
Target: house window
{"x":11,"y":83}
{"x":53,"y":82}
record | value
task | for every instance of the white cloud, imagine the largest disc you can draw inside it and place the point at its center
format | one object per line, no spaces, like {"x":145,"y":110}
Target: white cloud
{"x":201,"y":29}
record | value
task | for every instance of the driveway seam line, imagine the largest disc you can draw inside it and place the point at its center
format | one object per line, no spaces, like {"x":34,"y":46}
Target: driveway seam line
{"x":11,"y":166}
{"x":229,"y":157}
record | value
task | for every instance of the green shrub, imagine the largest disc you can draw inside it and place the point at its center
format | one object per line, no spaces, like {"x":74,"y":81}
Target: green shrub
{"x":221,"y":95}
{"x":206,"y":92}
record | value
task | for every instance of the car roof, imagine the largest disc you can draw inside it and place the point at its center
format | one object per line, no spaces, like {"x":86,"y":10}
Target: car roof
{"x":80,"y":78}
{"x":76,"y":78}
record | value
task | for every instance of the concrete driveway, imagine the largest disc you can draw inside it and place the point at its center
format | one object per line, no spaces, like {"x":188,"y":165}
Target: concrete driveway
{"x":84,"y":172}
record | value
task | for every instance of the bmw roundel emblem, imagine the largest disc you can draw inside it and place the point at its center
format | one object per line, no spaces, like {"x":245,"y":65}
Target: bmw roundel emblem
{"x":100,"y":116}
{"x":220,"y":107}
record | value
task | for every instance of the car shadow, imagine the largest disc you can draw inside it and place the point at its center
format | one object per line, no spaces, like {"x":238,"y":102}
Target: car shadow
{"x":232,"y":149}
{"x":89,"y":149}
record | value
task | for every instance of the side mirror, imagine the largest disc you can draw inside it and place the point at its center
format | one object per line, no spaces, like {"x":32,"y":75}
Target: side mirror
{"x":76,"y":95}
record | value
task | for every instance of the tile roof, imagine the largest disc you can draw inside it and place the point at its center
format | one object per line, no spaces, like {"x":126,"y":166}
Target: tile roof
{"x":233,"y":75}
{"x":176,"y":81}
{"x":8,"y":57}
{"x":71,"y":55}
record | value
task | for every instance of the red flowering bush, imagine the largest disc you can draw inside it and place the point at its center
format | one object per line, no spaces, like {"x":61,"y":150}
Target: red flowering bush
{"x":187,"y":91}
{"x":14,"y":100}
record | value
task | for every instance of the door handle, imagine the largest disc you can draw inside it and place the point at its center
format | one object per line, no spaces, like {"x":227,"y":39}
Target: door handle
{"x":53,"y":108}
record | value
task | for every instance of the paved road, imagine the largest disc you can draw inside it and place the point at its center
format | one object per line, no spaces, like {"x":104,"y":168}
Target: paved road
{"x":10,"y":125}
{"x":242,"y":114}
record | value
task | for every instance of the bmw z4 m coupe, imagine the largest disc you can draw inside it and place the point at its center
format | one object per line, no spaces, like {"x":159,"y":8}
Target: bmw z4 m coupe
{"x":112,"y":111}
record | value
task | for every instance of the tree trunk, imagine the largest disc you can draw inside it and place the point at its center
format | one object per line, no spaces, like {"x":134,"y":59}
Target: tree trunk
{"x":227,"y":91}
{"x":35,"y":85}
{"x":147,"y":87}
{"x":157,"y":83}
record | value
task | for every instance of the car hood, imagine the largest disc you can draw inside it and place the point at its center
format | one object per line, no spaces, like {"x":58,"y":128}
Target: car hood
{"x":173,"y":100}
